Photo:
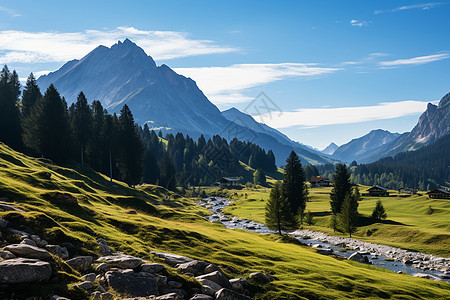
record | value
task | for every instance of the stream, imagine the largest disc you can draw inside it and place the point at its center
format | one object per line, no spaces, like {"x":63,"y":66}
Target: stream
{"x":395,"y":259}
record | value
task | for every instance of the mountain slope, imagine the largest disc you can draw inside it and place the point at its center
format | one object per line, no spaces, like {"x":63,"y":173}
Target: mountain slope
{"x":330,"y":149}
{"x":361,"y":149}
{"x":165,"y":100}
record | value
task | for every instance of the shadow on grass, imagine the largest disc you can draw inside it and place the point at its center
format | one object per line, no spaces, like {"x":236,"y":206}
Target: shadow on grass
{"x":366,"y":221}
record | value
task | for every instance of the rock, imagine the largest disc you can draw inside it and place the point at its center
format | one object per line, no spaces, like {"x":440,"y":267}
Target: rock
{"x":217,"y":277}
{"x":5,"y":254}
{"x":43,"y":243}
{"x":107,"y":296}
{"x":427,"y":276}
{"x":3,"y":223}
{"x":236,"y":285}
{"x":226,"y":294}
{"x":101,"y":289}
{"x":172,"y":259}
{"x":170,"y":296}
{"x":81,"y":263}
{"x":208,"y":290}
{"x":28,"y":251}
{"x":174,"y":284}
{"x":35,"y":238}
{"x":201,"y":297}
{"x":6,"y":207}
{"x":96,"y":295}
{"x":161,"y":281}
{"x":196,"y":267}
{"x":104,"y":248}
{"x":215,"y":287}
{"x":259,"y":277}
{"x":27,"y":241}
{"x":89,"y":277}
{"x":134,"y":284}
{"x":122,"y":261}
{"x":103,"y":267}
{"x":58,"y":251}
{"x":326,"y":251}
{"x":181,"y":293}
{"x":56,"y":297}
{"x":359,"y":258}
{"x":24,"y":270}
{"x":86,"y":285}
{"x":316,"y":246}
{"x":152,"y":268}
{"x":211,"y":268}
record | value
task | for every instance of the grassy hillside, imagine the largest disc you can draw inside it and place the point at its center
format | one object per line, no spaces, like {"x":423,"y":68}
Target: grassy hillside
{"x":407,"y":225}
{"x":136,"y":221}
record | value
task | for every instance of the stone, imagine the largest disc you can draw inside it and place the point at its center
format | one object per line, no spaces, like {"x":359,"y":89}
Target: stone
{"x":236,"y":285}
{"x":213,"y":287}
{"x":181,"y":293}
{"x":43,"y":243}
{"x":259,"y":277}
{"x":5,"y":254}
{"x":107,"y":296}
{"x":89,"y":277}
{"x":134,"y":284}
{"x":217,"y":277}
{"x":174,"y":284}
{"x":226,"y":294}
{"x":101,"y":289}
{"x":104,"y":248}
{"x":359,"y":258}
{"x":122,"y":261}
{"x":103,"y":267}
{"x":27,"y":241}
{"x":172,"y":259}
{"x":24,"y":270}
{"x":211,"y":268}
{"x":58,"y":251}
{"x":35,"y":238}
{"x":96,"y":295}
{"x":28,"y":251}
{"x":196,"y":267}
{"x":56,"y":297}
{"x":86,"y":285}
{"x":80,"y":263}
{"x":161,"y":281}
{"x":153,"y":268}
{"x":201,"y":297}
{"x":427,"y":276}
{"x":169,"y":296}
{"x":3,"y":223}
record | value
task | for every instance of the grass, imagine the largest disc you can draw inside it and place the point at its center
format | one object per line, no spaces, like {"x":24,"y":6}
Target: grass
{"x":177,"y":226}
{"x":408,"y":225}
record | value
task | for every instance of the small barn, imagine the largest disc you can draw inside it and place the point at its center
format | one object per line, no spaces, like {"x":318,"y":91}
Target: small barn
{"x":319,"y":181}
{"x":439,"y":194}
{"x":377,"y":191}
{"x":227,"y":181}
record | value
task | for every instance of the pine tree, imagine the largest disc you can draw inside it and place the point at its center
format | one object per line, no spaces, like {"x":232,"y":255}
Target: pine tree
{"x":378,"y":212}
{"x":96,"y":151}
{"x":259,"y":177}
{"x":132,"y":151}
{"x":109,"y":138}
{"x":294,"y":187}
{"x":82,"y":124}
{"x":278,"y":212}
{"x":309,"y":218}
{"x":31,"y":93}
{"x":348,"y":217}
{"x":356,"y":193}
{"x":341,"y":187}
{"x":334,"y":223}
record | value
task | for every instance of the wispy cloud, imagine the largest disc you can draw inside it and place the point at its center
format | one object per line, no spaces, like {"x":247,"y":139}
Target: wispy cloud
{"x":227,"y":84}
{"x":343,"y":115}
{"x":25,"y":47}
{"x":422,"y":6}
{"x":359,"y":23}
{"x":10,"y":12}
{"x":415,"y":60}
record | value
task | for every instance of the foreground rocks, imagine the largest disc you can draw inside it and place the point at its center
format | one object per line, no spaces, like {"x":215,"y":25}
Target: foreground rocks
{"x":24,"y":270}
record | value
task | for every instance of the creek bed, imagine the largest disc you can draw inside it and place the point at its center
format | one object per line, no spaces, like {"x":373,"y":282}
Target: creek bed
{"x":395,"y":259}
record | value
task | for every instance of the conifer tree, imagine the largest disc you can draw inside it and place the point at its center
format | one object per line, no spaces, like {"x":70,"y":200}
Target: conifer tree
{"x":348,"y":216}
{"x":109,"y":138}
{"x":278,"y":211}
{"x":341,"y":187}
{"x":96,"y":151}
{"x":294,"y":187}
{"x":378,"y":212}
{"x":31,"y":93}
{"x":259,"y":177}
{"x":82,"y":124}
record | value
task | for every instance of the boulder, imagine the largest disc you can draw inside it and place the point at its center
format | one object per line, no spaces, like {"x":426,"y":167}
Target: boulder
{"x":5,"y":254}
{"x":89,"y":277}
{"x":180,"y":292}
{"x":58,"y":251}
{"x":236,"y":285}
{"x":107,"y":296}
{"x":152,"y":268}
{"x":218,"y":277}
{"x":172,"y":259}
{"x":174,"y":284}
{"x":359,"y":258}
{"x":28,"y":251}
{"x":196,"y":267}
{"x":201,"y":297}
{"x":103,"y":267}
{"x":3,"y":223}
{"x":169,"y":296}
{"x":104,"y":248}
{"x":211,"y":268}
{"x":161,"y":281}
{"x":134,"y":284}
{"x":27,"y":241}
{"x":259,"y":277}
{"x":6,"y":207}
{"x":80,"y":263}
{"x":226,"y":294}
{"x":86,"y":285}
{"x":96,"y":295}
{"x":24,"y":270}
{"x":209,"y":287}
{"x":122,"y":261}
{"x":427,"y":276}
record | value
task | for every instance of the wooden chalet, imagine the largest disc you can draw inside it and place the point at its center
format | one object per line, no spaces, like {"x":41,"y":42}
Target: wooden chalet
{"x":377,"y":191}
{"x":439,"y":194}
{"x":227,"y":181}
{"x":319,"y":181}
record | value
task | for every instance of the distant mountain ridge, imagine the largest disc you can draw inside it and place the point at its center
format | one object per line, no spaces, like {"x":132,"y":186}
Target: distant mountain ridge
{"x":330,"y":149}
{"x":165,"y":100}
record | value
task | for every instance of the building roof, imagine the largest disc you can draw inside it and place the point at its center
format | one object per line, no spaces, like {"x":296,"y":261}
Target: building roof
{"x":228,"y":179}
{"x":377,"y":187}
{"x":317,"y":178}
{"x":445,"y":191}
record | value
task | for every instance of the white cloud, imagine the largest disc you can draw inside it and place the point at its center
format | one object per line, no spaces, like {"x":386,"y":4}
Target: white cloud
{"x":359,"y":23}
{"x":423,"y":6}
{"x":9,"y":11}
{"x":343,"y":115}
{"x":226,"y":84}
{"x":415,"y":60}
{"x":26,"y":47}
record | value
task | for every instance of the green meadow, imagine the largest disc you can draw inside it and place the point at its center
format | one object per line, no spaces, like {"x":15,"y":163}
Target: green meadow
{"x":137,"y":221}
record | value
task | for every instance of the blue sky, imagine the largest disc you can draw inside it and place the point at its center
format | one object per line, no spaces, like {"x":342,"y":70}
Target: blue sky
{"x":336,"y":69}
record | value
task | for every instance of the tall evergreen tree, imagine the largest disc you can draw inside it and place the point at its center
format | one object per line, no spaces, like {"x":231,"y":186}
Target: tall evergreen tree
{"x":259,"y":177}
{"x":47,"y":127}
{"x":10,"y":123}
{"x":348,"y":215}
{"x":294,"y":187}
{"x":96,"y":149}
{"x":109,"y":138}
{"x":378,"y":212}
{"x":132,"y":152}
{"x":82,"y":124}
{"x":341,"y":187}
{"x":279,"y":215}
{"x":31,"y":93}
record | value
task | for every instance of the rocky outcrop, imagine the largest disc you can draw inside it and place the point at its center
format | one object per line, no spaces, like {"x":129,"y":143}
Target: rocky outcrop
{"x":24,"y":270}
{"x":81,"y":263}
{"x":172,"y":259}
{"x":359,"y":258}
{"x":28,"y":251}
{"x":122,"y":261}
{"x":131,"y":283}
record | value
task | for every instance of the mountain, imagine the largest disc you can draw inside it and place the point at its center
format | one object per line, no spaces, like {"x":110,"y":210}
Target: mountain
{"x":330,"y":149}
{"x":165,"y":100}
{"x":365,"y":147}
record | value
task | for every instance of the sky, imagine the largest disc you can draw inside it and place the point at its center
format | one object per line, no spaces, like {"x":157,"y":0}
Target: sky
{"x":331,"y":71}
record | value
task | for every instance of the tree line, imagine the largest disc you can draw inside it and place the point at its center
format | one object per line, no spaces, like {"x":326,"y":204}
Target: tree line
{"x":43,"y":125}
